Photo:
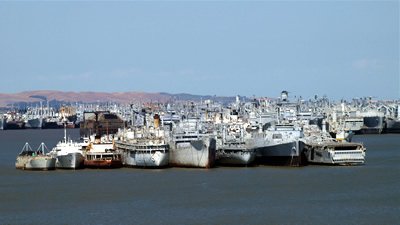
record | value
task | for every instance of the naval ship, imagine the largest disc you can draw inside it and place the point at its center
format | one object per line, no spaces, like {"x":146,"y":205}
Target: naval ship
{"x":282,"y":145}
{"x":321,"y":148}
{"x":144,"y":146}
{"x":373,"y":123}
{"x":233,"y":147}
{"x":191,"y":146}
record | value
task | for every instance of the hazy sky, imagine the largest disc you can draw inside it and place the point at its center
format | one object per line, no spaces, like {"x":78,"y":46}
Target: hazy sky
{"x":338,"y":48}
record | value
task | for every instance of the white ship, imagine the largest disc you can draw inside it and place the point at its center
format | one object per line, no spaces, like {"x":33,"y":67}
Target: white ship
{"x":69,"y":154}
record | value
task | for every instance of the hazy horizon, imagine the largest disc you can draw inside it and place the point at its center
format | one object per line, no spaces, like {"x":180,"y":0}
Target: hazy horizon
{"x":343,"y":49}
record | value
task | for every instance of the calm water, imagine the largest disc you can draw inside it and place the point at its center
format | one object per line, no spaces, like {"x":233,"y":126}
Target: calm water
{"x":368,"y":194}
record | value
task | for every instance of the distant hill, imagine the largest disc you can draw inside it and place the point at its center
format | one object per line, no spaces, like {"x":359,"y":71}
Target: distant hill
{"x":26,"y":97}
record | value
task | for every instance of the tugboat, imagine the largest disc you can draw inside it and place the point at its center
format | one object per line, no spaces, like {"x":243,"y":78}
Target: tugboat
{"x":35,"y":160}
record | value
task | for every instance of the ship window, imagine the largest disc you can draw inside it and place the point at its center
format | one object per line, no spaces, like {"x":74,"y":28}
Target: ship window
{"x":277,"y":136}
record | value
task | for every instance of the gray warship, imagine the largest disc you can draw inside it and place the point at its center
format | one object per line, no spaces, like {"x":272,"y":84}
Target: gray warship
{"x":282,"y":145}
{"x":143,"y":147}
{"x":233,"y":147}
{"x":191,"y":146}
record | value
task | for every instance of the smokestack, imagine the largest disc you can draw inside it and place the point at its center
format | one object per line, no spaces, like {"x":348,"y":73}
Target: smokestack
{"x":156,"y":121}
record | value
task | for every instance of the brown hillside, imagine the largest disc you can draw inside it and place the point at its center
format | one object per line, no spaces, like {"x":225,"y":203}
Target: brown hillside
{"x":120,"y":97}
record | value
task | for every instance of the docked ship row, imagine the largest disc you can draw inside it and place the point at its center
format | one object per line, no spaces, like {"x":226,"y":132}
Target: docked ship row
{"x":208,"y":134}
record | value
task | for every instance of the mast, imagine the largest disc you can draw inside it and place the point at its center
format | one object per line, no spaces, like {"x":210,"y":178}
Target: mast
{"x":65,"y":131}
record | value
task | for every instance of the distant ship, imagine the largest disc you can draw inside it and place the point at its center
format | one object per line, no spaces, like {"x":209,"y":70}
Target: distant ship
{"x":34,"y":123}
{"x":373,"y":121}
{"x":392,"y":125}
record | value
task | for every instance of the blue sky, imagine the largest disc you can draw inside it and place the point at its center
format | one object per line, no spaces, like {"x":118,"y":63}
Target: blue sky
{"x":334,"y":48}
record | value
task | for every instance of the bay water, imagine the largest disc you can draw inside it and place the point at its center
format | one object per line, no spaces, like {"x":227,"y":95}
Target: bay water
{"x":367,"y":194}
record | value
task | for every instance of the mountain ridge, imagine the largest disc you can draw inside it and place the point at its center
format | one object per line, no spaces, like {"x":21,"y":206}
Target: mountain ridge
{"x":7,"y":99}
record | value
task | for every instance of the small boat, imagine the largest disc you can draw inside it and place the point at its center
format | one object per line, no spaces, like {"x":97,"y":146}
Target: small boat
{"x":35,"y":160}
{"x":101,"y":154}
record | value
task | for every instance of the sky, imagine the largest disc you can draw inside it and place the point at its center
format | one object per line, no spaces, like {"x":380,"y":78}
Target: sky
{"x":341,"y":49}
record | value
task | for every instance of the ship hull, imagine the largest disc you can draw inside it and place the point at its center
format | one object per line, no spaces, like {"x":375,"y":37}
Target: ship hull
{"x":335,"y":154}
{"x":70,"y":161}
{"x":196,"y":153}
{"x":35,"y":163}
{"x":14,"y":125}
{"x":392,"y":126}
{"x":103,"y":164}
{"x":145,"y":159}
{"x":235,"y":157}
{"x":151,"y":156}
{"x":51,"y":125}
{"x":372,"y":125}
{"x":34,"y":123}
{"x":289,"y":153}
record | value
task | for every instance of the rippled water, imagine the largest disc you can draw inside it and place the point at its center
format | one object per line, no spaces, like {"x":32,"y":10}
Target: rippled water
{"x":368,"y":194}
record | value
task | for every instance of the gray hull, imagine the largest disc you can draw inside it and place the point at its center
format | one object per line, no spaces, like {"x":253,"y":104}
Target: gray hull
{"x":392,"y":126}
{"x":36,"y":163}
{"x":70,"y":161}
{"x":195,"y":153}
{"x":372,"y":125}
{"x":235,"y":157}
{"x":152,"y":156}
{"x":289,"y":153}
{"x":145,"y":159}
{"x":34,"y":123}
